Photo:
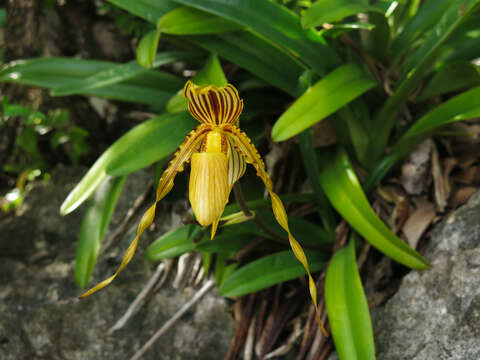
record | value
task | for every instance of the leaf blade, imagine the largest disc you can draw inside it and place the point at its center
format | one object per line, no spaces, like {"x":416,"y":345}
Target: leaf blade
{"x":94,"y":224}
{"x":173,"y":243}
{"x":119,"y":73}
{"x":133,"y":139}
{"x":346,"y":195}
{"x":190,"y":21}
{"x":268,"y":271}
{"x":347,"y":307}
{"x":328,"y":95}
{"x":327,"y":11}
{"x":285,"y":31}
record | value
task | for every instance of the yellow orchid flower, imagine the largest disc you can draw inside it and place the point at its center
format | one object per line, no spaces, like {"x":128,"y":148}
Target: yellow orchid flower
{"x":218,"y":151}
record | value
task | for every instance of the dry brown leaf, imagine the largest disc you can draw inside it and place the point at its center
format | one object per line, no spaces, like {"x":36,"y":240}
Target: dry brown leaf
{"x":324,"y":134}
{"x":400,"y":214}
{"x":414,"y":170}
{"x":440,"y":180}
{"x":469,"y":176}
{"x":392,"y":194}
{"x":462,"y":195}
{"x":418,"y":222}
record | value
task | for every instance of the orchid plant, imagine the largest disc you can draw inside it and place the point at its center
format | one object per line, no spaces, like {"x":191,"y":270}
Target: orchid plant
{"x":218,"y":151}
{"x":384,"y":75}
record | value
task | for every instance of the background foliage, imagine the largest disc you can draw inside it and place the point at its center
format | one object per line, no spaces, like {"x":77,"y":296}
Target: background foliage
{"x":385,"y":75}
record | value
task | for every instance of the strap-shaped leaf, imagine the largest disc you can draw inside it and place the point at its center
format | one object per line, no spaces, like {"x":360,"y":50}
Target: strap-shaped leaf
{"x":285,"y":29}
{"x":427,"y":16}
{"x":414,"y":68}
{"x":190,"y":21}
{"x":150,"y":10}
{"x":147,"y":48}
{"x":346,"y":195}
{"x":94,"y":224}
{"x":461,"y":107}
{"x":154,"y":88}
{"x":136,"y":149}
{"x":326,"y":11}
{"x":268,"y":271}
{"x":174,"y":243}
{"x":347,"y":307}
{"x":255,"y":55}
{"x":328,"y":95}
{"x":120,"y":73}
{"x":453,"y":77}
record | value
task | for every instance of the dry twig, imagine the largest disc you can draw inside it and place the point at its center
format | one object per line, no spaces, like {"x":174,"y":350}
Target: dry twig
{"x":205,"y":289}
{"x":139,"y":300}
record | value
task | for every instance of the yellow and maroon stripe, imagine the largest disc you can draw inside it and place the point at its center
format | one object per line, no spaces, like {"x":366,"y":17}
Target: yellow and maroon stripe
{"x":213,"y":105}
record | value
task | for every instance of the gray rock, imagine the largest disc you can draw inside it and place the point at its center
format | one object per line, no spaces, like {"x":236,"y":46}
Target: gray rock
{"x":40,"y":316}
{"x":436,"y":313}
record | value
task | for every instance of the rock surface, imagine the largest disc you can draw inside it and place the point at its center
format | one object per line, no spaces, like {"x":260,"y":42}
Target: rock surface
{"x":436,"y":313}
{"x":40,"y":316}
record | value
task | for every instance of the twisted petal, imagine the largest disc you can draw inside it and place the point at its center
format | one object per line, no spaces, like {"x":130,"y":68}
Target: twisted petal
{"x":248,"y":150}
{"x":165,"y":184}
{"x":213,"y":105}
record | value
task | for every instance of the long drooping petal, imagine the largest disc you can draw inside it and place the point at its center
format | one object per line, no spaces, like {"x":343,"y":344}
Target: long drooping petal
{"x":213,"y":105}
{"x":248,"y":150}
{"x":165,"y":184}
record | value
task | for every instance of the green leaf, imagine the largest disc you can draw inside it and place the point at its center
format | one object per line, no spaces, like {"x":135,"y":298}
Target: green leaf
{"x":378,"y":39}
{"x":414,"y":69}
{"x":256,"y":56}
{"x":119,"y":73}
{"x":310,"y":164}
{"x":147,"y":48}
{"x":222,"y":270}
{"x":145,"y":148}
{"x":425,"y":19}
{"x":345,"y":194}
{"x":153,"y":87}
{"x":304,"y":231}
{"x":15,"y":110}
{"x":226,"y":242}
{"x":277,"y":24}
{"x":328,"y":95}
{"x":94,"y":224}
{"x":347,"y":307}
{"x":150,"y":10}
{"x":3,"y":17}
{"x":267,"y":203}
{"x":326,"y":11}
{"x":173,"y":243}
{"x":455,"y":76}
{"x":462,"y":107}
{"x":137,"y":148}
{"x":340,"y":29}
{"x":190,"y":21}
{"x":352,"y":126}
{"x":457,"y":12}
{"x":465,"y":50}
{"x":211,"y":73}
{"x":268,"y":271}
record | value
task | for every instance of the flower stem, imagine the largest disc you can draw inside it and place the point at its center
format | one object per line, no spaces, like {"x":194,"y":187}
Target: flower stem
{"x":237,"y":191}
